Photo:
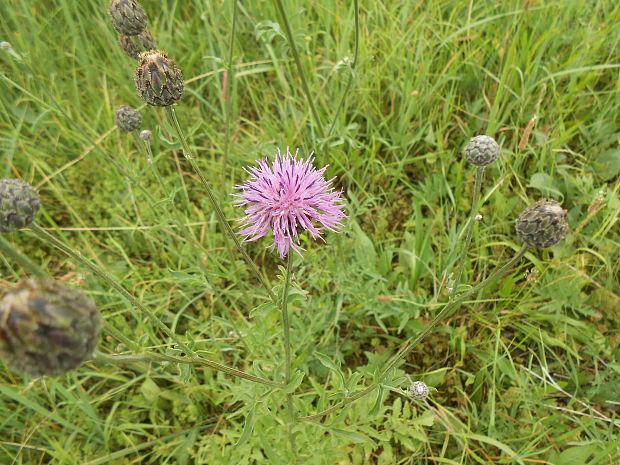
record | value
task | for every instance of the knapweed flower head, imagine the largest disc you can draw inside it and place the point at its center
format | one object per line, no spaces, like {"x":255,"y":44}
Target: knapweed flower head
{"x":47,"y":328}
{"x":481,"y":151}
{"x":543,"y":224}
{"x":158,"y":79}
{"x":19,"y":204}
{"x":133,"y":46}
{"x":128,"y":17}
{"x":128,"y":119}
{"x":286,"y":198}
{"x":418,"y":390}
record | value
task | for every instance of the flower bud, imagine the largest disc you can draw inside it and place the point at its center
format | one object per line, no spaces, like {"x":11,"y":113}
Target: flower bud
{"x":128,"y":119}
{"x":543,"y":224}
{"x":47,"y":328}
{"x":481,"y":151}
{"x":133,"y":46}
{"x":158,"y":79}
{"x":128,"y":17}
{"x":418,"y":390}
{"x":146,"y":135}
{"x":19,"y":204}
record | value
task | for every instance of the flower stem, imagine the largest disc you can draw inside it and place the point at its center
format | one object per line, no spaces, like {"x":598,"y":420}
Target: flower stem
{"x":353,"y":66}
{"x":108,"y":279}
{"x":155,"y":357}
{"x":448,"y":310}
{"x":287,"y":353}
{"x":469,"y":229}
{"x":304,"y":83}
{"x":218,"y":210}
{"x":16,"y":256}
{"x":230,"y":85}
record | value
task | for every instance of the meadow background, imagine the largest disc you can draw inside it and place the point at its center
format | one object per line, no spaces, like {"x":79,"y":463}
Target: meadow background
{"x":526,"y":373}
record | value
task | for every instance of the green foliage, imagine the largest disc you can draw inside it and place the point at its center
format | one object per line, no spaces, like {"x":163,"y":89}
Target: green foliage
{"x":526,"y":373}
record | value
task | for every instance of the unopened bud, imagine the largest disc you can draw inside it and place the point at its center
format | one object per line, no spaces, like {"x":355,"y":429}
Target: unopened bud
{"x":19,"y":204}
{"x":418,"y":390}
{"x":47,"y":328}
{"x":128,"y":17}
{"x":158,"y":79}
{"x":128,"y":119}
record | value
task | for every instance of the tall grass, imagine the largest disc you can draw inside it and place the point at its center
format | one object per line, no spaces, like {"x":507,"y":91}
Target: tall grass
{"x":527,"y":374}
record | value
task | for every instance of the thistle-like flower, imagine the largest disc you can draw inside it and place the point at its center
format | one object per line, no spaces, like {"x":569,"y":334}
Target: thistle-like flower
{"x":133,"y":46}
{"x":128,"y":17}
{"x":481,"y":151}
{"x":146,"y":135}
{"x":158,"y":79}
{"x":543,"y":224}
{"x":418,"y":390}
{"x":286,"y":198}
{"x":128,"y":119}
{"x":19,"y":204}
{"x":47,"y":328}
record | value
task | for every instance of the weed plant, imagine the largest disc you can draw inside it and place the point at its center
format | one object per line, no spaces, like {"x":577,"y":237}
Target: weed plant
{"x":427,"y":328}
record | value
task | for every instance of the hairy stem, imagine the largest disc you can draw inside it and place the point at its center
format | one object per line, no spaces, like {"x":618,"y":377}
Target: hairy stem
{"x":216,"y":206}
{"x":448,"y":310}
{"x":155,"y":357}
{"x":17,"y":257}
{"x":228,"y":100}
{"x":469,"y":229}
{"x":287,"y":352}
{"x":353,"y":66}
{"x":304,"y":83}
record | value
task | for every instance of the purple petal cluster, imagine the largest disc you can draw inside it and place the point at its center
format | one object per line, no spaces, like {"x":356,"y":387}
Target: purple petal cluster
{"x":287,"y":197}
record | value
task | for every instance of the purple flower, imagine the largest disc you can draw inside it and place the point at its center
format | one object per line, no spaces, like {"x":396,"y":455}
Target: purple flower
{"x":286,"y":198}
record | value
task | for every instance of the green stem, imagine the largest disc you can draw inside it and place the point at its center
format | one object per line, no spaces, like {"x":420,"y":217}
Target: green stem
{"x":448,"y":310}
{"x":155,"y":357}
{"x":304,"y":83}
{"x":287,"y":353}
{"x":469,"y":229}
{"x":108,"y":279}
{"x":218,"y":210}
{"x":230,"y":75}
{"x":16,"y":256}
{"x":353,"y":66}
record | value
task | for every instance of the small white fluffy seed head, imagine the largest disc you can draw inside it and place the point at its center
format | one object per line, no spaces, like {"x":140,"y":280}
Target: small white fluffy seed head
{"x":146,"y":135}
{"x":481,"y":151}
{"x":418,"y":390}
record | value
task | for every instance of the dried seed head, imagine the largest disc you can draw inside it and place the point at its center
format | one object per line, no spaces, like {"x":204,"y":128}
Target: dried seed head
{"x":128,"y":17}
{"x":47,"y":328}
{"x":146,"y":135}
{"x":543,"y":224}
{"x":19,"y":204}
{"x":128,"y":119}
{"x":133,"y":46}
{"x":158,"y":79}
{"x":481,"y":150}
{"x":418,"y":390}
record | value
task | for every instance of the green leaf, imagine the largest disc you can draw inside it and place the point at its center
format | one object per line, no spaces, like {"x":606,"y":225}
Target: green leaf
{"x":577,"y":455}
{"x":329,"y":364}
{"x":351,"y":436}
{"x":295,"y":382}
{"x":248,"y":427}
{"x":545,"y":184}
